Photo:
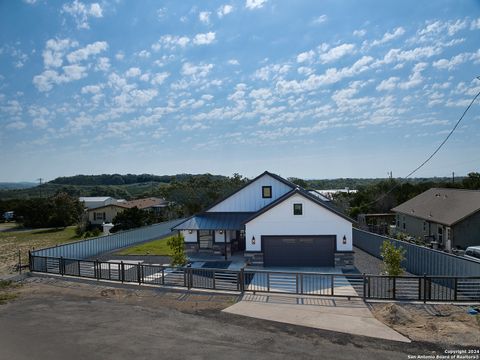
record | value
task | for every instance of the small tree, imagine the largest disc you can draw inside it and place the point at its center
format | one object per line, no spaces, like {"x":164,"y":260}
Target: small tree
{"x":176,"y":243}
{"x":392,"y":258}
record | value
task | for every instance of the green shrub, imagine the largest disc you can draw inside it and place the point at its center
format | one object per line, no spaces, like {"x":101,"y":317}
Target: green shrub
{"x":392,"y":258}
{"x":177,"y":245}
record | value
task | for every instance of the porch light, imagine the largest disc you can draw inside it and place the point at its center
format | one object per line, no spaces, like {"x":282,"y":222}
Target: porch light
{"x":344,"y":240}
{"x":190,"y":231}
{"x":221,"y":231}
{"x":253,"y":240}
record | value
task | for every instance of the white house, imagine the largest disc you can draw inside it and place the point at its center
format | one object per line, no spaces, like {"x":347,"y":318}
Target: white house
{"x":91,"y":202}
{"x":275,"y":223}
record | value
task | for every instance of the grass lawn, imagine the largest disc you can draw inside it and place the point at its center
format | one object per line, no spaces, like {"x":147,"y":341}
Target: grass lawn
{"x":16,"y":239}
{"x":155,"y":247}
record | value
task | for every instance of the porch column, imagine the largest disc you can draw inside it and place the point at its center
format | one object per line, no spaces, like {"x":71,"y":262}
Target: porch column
{"x":225,"y":243}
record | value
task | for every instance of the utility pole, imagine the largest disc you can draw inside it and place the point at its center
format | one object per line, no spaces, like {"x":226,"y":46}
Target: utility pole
{"x":390,"y":174}
{"x":40,"y":184}
{"x":453,"y":177}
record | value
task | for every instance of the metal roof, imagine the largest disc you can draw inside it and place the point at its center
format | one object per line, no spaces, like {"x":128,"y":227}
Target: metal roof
{"x":215,"y":221}
{"x":444,"y":206}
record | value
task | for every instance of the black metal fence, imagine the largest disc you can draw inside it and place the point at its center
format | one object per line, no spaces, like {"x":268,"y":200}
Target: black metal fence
{"x":409,"y":288}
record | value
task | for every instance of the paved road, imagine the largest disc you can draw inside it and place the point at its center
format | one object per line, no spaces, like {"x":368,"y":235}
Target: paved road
{"x":77,"y":324}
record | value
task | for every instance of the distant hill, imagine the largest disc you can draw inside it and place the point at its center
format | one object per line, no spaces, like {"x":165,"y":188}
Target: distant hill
{"x":355,"y":183}
{"x":16,"y":185}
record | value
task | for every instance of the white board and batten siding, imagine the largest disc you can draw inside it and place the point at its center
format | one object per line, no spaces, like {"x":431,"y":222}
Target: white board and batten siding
{"x":250,"y":197}
{"x":316,"y":220}
{"x":192,"y":238}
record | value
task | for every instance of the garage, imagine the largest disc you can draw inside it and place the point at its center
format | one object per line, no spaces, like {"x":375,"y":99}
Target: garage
{"x":301,"y":251}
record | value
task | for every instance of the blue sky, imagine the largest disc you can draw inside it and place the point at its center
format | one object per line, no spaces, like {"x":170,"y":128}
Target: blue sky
{"x":314,"y":89}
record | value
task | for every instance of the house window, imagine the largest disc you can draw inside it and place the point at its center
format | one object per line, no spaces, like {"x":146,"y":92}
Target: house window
{"x":404,"y":225}
{"x":424,"y":226}
{"x":297,"y":209}
{"x":440,"y":234}
{"x":99,"y":216}
{"x":266,"y":192}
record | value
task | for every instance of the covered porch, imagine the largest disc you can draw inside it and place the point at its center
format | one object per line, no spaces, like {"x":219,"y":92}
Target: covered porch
{"x":216,"y":233}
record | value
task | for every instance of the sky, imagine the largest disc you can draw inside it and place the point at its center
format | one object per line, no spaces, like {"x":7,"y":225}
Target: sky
{"x":312,"y":89}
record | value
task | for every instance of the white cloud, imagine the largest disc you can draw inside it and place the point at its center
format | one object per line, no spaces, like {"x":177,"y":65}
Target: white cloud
{"x":133,"y":72}
{"x":388,"y":84}
{"x":204,"y":39}
{"x":143,"y":54}
{"x":45,"y":81}
{"x":120,"y":55}
{"x":389,"y":36}
{"x":81,"y":12}
{"x":272,"y":71}
{"x":159,"y":78}
{"x":360,"y":33}
{"x":170,"y":42}
{"x":55,"y":50}
{"x":17,"y":125}
{"x":457,"y":60}
{"x":188,"y":69}
{"x":475,"y":24}
{"x":224,"y":10}
{"x":254,"y":4}
{"x":233,"y":62}
{"x":320,"y":19}
{"x":30,"y":2}
{"x":40,"y":123}
{"x":305,"y":56}
{"x":103,"y":64}
{"x":337,"y":52}
{"x":89,"y":50}
{"x":91,"y":89}
{"x":204,"y":17}
{"x":415,"y":78}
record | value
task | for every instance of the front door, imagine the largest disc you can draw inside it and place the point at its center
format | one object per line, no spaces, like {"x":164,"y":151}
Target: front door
{"x":205,"y":239}
{"x":241,"y":240}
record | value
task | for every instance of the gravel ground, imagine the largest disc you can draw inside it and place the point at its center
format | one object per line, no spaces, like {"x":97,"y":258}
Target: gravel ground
{"x":368,"y":264}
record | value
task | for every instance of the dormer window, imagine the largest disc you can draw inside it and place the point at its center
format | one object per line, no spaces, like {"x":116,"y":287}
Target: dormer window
{"x":266,"y":192}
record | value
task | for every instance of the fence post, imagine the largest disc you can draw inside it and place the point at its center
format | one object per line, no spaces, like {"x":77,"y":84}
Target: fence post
{"x":368,"y":283}
{"x":242,"y":280}
{"x":424,"y":288}
{"x":332,"y":285}
{"x":364,"y":286}
{"x":301,"y":284}
{"x":455,"y":289}
{"x":139,"y":274}
{"x":60,"y":265}
{"x":19,"y":261}
{"x":268,"y":282}
{"x":122,"y":271}
{"x":213,"y":278}
{"x":394,"y":288}
{"x":163,"y":275}
{"x":30,"y":260}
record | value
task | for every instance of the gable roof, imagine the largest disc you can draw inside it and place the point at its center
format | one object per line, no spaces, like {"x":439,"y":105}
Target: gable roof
{"x":146,"y":203}
{"x":275,"y":176}
{"x":444,"y":206}
{"x":119,"y":205}
{"x":298,"y":190}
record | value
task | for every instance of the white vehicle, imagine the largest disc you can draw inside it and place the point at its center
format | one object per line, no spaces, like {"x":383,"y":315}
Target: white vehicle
{"x":473,"y":253}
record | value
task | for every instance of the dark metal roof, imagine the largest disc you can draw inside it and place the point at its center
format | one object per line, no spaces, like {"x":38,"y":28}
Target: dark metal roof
{"x":215,"y":221}
{"x":443,"y":206}
{"x":305,"y":194}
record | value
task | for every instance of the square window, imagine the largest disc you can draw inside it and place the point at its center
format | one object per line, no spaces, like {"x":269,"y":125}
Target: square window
{"x":266,"y":192}
{"x":297,"y":209}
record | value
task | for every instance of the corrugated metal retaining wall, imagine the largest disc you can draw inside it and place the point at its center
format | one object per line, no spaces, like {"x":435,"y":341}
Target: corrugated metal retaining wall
{"x":419,"y":260}
{"x":85,"y":249}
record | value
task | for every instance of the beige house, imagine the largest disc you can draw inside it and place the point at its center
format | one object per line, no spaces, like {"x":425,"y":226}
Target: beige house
{"x":106,"y":213}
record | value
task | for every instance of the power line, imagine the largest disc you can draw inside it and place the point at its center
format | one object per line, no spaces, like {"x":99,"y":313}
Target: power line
{"x":433,"y":154}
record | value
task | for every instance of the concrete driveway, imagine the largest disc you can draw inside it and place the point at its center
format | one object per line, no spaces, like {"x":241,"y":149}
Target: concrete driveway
{"x":334,"y":314}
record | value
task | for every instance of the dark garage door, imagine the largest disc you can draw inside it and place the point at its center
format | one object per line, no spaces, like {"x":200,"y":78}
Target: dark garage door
{"x":298,"y":250}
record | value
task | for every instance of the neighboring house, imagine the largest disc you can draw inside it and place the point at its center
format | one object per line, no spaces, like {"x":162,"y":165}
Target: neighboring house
{"x":91,"y":202}
{"x":274,"y":223}
{"x":106,"y":213}
{"x":450,"y":218}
